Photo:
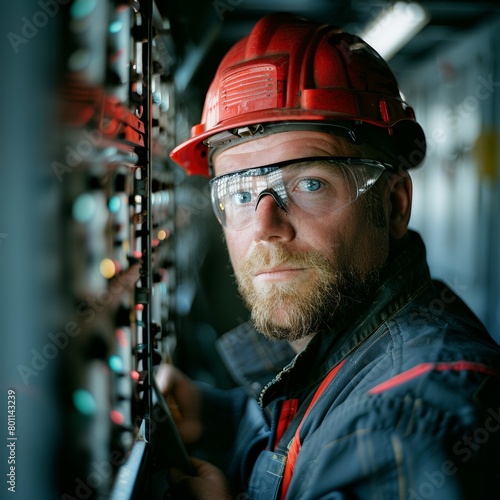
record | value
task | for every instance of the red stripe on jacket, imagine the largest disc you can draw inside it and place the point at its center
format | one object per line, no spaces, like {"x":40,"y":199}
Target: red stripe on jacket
{"x":424,"y":368}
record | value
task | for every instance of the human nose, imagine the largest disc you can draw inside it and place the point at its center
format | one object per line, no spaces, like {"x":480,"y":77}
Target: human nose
{"x":271,"y":221}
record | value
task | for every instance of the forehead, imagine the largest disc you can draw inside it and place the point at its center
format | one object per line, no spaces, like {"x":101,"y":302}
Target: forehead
{"x":281,"y":147}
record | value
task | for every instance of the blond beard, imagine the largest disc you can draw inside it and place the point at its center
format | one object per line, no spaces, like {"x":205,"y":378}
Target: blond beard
{"x":296,"y":309}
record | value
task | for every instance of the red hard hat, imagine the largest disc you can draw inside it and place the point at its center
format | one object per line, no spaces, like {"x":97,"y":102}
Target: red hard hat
{"x":292,"y":73}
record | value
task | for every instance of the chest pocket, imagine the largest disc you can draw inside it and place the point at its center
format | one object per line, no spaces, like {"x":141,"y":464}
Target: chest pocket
{"x":266,"y":484}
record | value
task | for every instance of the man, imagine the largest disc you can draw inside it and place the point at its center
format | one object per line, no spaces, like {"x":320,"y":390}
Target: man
{"x":367,"y":379}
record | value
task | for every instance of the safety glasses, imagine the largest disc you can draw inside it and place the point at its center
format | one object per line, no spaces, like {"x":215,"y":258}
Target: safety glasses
{"x":316,"y":185}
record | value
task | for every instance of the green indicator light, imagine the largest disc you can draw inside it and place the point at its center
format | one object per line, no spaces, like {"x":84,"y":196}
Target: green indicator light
{"x":115,"y":26}
{"x":82,"y":8}
{"x":84,"y":402}
{"x":114,"y":204}
{"x":116,"y":364}
{"x":84,"y":208}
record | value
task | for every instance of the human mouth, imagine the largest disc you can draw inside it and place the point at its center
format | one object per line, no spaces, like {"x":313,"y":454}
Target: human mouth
{"x":279,"y":273}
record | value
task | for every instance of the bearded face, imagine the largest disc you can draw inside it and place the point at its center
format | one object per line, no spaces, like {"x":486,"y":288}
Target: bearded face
{"x":300,"y":272}
{"x":296,"y":303}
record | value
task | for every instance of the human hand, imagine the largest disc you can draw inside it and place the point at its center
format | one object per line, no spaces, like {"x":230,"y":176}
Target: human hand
{"x":208,"y":483}
{"x":184,"y":401}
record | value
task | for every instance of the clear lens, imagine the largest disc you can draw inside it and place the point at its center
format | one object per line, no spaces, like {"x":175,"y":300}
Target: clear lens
{"x":316,"y":186}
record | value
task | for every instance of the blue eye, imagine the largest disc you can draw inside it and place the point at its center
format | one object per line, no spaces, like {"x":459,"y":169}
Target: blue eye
{"x":309,"y":185}
{"x":243,"y":197}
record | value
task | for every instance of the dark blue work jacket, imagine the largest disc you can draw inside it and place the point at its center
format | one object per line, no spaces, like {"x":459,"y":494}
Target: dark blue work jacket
{"x":413,"y":413}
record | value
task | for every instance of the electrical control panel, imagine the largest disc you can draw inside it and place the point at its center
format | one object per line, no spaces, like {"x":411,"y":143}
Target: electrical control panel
{"x":116,"y":123}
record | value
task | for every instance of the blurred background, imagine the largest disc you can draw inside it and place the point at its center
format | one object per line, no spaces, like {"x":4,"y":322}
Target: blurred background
{"x":110,"y":258}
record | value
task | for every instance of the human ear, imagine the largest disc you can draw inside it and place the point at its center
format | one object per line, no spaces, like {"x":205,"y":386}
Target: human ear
{"x":400,"y":201}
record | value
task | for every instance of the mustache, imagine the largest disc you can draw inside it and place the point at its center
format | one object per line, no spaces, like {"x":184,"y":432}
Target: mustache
{"x":268,"y":257}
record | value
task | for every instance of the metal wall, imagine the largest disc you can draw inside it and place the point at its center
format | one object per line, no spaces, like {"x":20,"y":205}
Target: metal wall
{"x":456,"y":96}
